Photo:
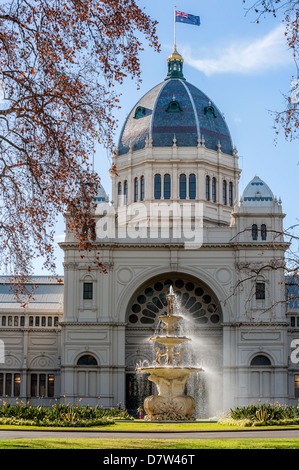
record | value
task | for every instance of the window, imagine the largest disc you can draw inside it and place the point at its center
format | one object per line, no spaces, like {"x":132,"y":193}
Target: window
{"x":210,"y":111}
{"x":51,"y":385}
{"x":42,"y":385}
{"x":33,"y":385}
{"x":174,"y":106}
{"x":139,"y":112}
{"x":142,"y":188}
{"x":260,"y":291}
{"x":135,"y":189}
{"x":49,"y":321}
{"x":254,"y":232}
{"x":230,"y":194}
{"x":3,"y":321}
{"x":183,"y":188}
{"x":260,"y":360}
{"x":214,"y":190}
{"x":207,"y":188}
{"x":17,"y":384}
{"x":296,"y":386}
{"x":294,"y":322}
{"x":87,"y":290}
{"x":119,"y":193}
{"x":167,"y":186}
{"x":87,"y":360}
{"x":192,"y":186}
{"x":36,"y":321}
{"x":8,"y":385}
{"x":224,"y":192}
{"x":264,"y":232}
{"x":126,"y":192}
{"x":43,"y":321}
{"x":157,"y":187}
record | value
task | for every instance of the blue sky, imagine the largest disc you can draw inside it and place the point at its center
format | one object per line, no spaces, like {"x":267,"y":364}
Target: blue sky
{"x":244,"y":67}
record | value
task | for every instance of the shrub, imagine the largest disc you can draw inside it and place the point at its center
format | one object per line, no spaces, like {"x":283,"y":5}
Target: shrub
{"x":265,"y":414}
{"x":60,"y":415}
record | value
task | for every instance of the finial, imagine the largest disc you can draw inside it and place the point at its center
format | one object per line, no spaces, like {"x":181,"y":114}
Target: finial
{"x":175,"y":65}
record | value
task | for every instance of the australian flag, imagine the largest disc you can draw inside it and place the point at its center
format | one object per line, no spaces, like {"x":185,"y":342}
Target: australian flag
{"x":181,"y":17}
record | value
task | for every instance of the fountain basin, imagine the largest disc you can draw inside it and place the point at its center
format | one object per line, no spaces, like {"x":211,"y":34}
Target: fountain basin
{"x":170,"y":381}
{"x":170,"y":372}
{"x":170,"y":341}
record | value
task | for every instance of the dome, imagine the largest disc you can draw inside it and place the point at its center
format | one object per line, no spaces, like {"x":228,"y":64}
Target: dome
{"x":101,"y":196}
{"x":175,"y":109}
{"x":257,"y":193}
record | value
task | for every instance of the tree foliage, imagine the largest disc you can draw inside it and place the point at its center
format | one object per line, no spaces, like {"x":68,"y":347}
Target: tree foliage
{"x":59,"y":63}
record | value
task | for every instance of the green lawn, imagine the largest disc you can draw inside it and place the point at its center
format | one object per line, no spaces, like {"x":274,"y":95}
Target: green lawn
{"x":73,"y":443}
{"x":111,"y":443}
{"x":140,"y":425}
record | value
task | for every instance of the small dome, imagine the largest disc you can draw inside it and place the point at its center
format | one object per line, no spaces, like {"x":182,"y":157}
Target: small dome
{"x":101,"y":196}
{"x":257,"y":193}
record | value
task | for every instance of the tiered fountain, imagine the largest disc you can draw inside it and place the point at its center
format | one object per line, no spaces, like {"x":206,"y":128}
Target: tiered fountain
{"x":168,"y":374}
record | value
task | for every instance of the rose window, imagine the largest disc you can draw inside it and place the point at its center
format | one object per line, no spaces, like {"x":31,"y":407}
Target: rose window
{"x":195,"y":299}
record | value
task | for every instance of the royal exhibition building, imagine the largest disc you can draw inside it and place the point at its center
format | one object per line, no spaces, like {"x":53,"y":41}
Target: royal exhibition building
{"x":177,"y":219}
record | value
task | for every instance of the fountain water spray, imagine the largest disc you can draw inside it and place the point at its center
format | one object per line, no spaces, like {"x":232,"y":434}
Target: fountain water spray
{"x":169,"y":375}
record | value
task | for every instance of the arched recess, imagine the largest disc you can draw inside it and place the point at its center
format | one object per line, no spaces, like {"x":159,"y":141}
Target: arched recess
{"x":202,"y":322}
{"x":261,"y":376}
{"x":87,"y":377}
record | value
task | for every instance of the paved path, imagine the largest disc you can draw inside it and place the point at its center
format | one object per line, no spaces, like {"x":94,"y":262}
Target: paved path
{"x":250,"y":434}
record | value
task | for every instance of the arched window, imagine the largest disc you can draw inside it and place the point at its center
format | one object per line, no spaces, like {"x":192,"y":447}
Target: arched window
{"x":254,"y":232}
{"x":167,"y":186}
{"x":260,"y":291}
{"x":207,"y":188}
{"x":157,"y":187}
{"x":230,"y":194}
{"x":260,"y":360}
{"x":119,"y":193}
{"x":183,"y":187}
{"x":192,"y":186}
{"x":214,"y":190}
{"x":224,"y":192}
{"x":87,"y":360}
{"x":135,"y":189}
{"x":264,"y":232}
{"x":126,"y":192}
{"x":142,"y":188}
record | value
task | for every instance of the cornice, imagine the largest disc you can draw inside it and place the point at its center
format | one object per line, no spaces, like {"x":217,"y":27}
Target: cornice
{"x":79,"y":324}
{"x":141,"y":245}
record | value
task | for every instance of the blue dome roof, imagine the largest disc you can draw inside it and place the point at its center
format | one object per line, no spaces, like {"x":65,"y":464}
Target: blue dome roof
{"x":175,"y":108}
{"x":257,"y":193}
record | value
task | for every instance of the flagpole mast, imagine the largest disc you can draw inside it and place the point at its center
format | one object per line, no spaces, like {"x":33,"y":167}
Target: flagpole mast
{"x":175,"y":27}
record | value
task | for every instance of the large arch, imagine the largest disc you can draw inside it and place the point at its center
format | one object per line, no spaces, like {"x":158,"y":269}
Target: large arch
{"x":202,"y":322}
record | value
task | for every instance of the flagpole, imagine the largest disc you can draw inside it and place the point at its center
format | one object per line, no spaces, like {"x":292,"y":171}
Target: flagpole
{"x":175,"y":27}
